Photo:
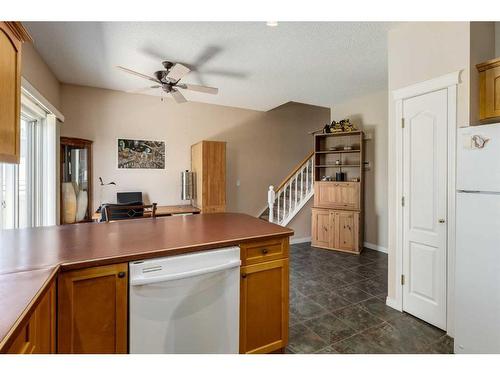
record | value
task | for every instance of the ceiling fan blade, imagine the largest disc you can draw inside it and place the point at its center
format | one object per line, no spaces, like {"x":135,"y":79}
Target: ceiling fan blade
{"x":178,"y":97}
{"x":135,"y":91}
{"x":133,"y":72}
{"x":199,"y":88}
{"x":177,"y":72}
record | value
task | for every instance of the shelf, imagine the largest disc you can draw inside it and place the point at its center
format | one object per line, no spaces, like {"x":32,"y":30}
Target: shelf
{"x":338,"y":152}
{"x":340,"y":134}
{"x":338,"y":166}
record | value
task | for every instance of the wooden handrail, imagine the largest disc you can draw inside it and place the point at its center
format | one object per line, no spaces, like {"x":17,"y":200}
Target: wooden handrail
{"x":295,"y":170}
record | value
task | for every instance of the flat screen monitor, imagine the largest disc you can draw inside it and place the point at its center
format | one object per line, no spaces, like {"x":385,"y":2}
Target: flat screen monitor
{"x":129,"y":197}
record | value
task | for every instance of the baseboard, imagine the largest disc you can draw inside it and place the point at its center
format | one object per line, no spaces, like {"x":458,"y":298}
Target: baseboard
{"x":391,"y":302}
{"x":369,"y":245}
{"x":300,"y":240}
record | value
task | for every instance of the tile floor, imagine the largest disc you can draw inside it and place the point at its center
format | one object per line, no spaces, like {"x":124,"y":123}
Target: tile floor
{"x":337,"y":305}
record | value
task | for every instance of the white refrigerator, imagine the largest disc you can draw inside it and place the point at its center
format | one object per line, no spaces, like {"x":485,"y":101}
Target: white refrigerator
{"x":477,"y":276}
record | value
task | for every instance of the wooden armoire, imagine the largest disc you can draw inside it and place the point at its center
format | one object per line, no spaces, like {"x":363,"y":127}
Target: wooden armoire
{"x":208,"y":162}
{"x":337,"y":213}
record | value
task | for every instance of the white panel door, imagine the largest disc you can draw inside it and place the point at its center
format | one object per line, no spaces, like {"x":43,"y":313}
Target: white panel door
{"x":424,"y":217}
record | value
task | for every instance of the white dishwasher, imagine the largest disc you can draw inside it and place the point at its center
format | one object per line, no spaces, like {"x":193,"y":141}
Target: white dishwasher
{"x":186,"y":304}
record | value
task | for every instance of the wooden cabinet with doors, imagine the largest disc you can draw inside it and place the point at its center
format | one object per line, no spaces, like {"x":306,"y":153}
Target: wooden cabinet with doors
{"x":264,"y":296}
{"x":337,"y":213}
{"x":334,"y":229}
{"x":12,"y":35}
{"x":489,"y":89}
{"x":38,"y":334}
{"x":208,"y":162}
{"x":92,"y":310}
{"x":76,"y":180}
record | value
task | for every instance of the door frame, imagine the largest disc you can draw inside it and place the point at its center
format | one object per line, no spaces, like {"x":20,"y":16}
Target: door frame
{"x":450,"y":82}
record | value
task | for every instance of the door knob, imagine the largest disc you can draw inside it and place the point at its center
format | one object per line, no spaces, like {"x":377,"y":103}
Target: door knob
{"x":244,"y":275}
{"x":121,"y":275}
{"x":441,"y":221}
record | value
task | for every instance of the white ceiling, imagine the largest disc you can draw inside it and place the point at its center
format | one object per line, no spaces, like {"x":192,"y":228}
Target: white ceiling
{"x":253,"y":65}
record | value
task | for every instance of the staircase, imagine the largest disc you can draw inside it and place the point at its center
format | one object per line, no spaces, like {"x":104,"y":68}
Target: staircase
{"x":292,"y":194}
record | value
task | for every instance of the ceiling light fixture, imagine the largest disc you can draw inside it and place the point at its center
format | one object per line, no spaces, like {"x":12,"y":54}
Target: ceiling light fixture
{"x":272,"y":23}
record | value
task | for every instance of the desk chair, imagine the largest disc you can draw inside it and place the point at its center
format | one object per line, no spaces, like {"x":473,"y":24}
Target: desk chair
{"x":113,"y":212}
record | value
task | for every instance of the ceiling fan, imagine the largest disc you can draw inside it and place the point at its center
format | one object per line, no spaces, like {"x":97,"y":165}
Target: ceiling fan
{"x":169,"y":81}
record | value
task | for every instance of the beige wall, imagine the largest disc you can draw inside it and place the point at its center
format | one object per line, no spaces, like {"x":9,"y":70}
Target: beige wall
{"x":418,"y":52}
{"x":497,"y":39}
{"x":369,"y":112}
{"x":482,"y":48}
{"x":262,"y":147}
{"x":34,"y":69}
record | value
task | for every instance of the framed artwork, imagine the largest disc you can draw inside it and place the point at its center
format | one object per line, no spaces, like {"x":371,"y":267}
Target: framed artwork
{"x":140,"y":154}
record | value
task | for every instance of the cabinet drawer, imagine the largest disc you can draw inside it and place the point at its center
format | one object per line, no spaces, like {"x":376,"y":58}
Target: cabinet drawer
{"x":262,"y":251}
{"x":340,"y":195}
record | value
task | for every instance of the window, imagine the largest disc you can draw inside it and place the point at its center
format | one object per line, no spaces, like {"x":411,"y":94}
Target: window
{"x":27,"y":189}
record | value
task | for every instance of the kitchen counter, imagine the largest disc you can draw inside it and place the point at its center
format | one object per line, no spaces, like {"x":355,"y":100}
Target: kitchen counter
{"x":31,"y":258}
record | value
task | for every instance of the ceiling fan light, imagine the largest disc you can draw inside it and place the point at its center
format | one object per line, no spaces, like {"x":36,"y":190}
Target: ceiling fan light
{"x":272,"y":23}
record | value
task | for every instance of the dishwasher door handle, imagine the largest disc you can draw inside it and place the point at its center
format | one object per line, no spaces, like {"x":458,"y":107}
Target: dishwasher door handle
{"x":185,"y":275}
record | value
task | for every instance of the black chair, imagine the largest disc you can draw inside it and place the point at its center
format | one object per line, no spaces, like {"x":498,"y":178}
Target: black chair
{"x":114,"y":212}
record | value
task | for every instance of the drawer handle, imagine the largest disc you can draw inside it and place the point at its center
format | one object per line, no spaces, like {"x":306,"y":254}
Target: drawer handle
{"x":121,"y":275}
{"x":243,"y":275}
{"x":265,"y":251}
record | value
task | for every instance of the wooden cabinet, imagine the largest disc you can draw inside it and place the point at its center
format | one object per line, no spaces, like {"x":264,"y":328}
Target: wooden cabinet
{"x":92,"y":310}
{"x":489,"y":89}
{"x":37,"y":335}
{"x":76,"y":180}
{"x":208,"y":162}
{"x":12,"y":35}
{"x":340,"y":195}
{"x":264,"y":296}
{"x":336,"y":230}
{"x":264,"y":307}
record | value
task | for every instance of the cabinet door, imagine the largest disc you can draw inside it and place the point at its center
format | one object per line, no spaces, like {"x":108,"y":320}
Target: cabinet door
{"x":321,"y":231}
{"x":38,"y":334}
{"x":491,"y":97}
{"x":92,"y":310}
{"x":264,"y":307}
{"x":343,"y":195}
{"x":347,"y":230}
{"x":10,"y":95}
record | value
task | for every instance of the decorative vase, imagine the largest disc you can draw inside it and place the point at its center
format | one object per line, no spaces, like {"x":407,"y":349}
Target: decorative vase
{"x":82,"y":202}
{"x":69,"y":203}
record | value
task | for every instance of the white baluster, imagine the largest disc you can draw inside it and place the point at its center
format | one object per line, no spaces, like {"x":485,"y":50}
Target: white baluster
{"x":278,"y":212}
{"x":289,"y":198}
{"x":302,"y":184}
{"x":307,"y":177}
{"x":295,"y":178}
{"x":271,"y":196}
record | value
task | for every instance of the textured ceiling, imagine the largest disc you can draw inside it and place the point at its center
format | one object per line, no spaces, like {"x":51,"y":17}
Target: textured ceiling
{"x":253,"y":65}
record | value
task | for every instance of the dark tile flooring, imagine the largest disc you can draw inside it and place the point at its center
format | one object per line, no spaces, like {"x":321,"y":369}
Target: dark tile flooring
{"x":337,"y":305}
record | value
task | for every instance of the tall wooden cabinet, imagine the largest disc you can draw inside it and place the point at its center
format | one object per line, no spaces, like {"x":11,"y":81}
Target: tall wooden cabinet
{"x":12,"y":35}
{"x":208,"y":162}
{"x":489,"y":89}
{"x":92,"y":310}
{"x":337,"y":213}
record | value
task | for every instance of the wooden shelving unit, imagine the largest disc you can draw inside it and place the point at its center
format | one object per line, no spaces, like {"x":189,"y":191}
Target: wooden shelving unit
{"x":337,"y":214}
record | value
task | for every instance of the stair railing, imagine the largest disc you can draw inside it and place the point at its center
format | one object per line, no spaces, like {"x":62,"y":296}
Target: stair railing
{"x":293,"y":193}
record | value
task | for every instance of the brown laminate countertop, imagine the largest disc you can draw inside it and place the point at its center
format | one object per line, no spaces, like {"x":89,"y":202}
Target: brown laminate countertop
{"x":30,"y":258}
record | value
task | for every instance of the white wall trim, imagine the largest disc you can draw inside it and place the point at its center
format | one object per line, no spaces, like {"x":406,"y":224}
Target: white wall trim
{"x":300,"y":240}
{"x":394,"y":303}
{"x":439,"y":83}
{"x":29,"y":90}
{"x":430,"y":85}
{"x":375,"y":247}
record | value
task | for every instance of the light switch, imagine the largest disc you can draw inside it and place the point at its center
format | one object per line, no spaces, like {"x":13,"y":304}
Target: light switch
{"x":238,"y":183}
